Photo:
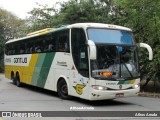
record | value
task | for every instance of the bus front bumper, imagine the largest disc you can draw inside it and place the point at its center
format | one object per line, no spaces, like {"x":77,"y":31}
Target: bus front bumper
{"x":110,"y":94}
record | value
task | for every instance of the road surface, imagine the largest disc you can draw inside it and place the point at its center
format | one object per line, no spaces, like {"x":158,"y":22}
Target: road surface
{"x":29,"y":98}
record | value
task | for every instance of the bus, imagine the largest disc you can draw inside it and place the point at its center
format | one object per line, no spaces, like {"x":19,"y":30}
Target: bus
{"x":92,"y":61}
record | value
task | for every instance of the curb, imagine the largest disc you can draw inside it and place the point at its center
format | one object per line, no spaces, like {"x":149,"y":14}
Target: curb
{"x":146,"y":94}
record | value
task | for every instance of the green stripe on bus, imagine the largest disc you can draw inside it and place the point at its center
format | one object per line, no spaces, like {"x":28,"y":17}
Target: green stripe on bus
{"x":121,"y":82}
{"x":126,"y":82}
{"x":37,"y":69}
{"x":45,"y":69}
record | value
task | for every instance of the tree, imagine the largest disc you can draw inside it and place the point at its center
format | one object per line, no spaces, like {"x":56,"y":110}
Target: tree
{"x":70,"y":12}
{"x":41,"y":17}
{"x":10,"y":27}
{"x":1,"y":39}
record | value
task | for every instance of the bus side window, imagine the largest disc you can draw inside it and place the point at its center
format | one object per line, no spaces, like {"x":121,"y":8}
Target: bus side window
{"x":39,"y":44}
{"x":29,"y":46}
{"x":22,"y":48}
{"x":48,"y":44}
{"x":26,"y":48}
{"x":17,"y":49}
{"x":32,"y":47}
{"x":50,"y":47}
{"x":38,"y":49}
{"x":9,"y":51}
{"x":62,"y":41}
{"x":61,"y":45}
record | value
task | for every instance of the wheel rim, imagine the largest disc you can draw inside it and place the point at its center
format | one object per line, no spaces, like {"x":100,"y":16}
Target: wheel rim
{"x":64,"y":89}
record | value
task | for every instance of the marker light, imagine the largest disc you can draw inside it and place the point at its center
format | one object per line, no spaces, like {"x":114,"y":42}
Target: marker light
{"x":108,"y":74}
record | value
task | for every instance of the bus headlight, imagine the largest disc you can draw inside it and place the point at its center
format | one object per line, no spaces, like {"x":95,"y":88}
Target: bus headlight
{"x":98,"y":87}
{"x":136,"y":86}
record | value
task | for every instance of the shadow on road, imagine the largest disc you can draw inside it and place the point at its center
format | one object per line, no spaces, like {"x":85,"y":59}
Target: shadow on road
{"x":37,"y":89}
{"x":99,"y":103}
{"x":113,"y":102}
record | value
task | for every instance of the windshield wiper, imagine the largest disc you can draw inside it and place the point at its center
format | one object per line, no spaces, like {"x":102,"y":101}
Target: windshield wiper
{"x":128,"y":70}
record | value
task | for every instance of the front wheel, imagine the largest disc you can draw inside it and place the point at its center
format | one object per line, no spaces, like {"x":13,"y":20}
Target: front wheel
{"x":63,"y":90}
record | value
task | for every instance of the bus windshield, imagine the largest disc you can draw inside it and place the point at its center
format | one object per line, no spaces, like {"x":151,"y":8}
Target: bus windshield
{"x":101,"y":35}
{"x":116,"y":55}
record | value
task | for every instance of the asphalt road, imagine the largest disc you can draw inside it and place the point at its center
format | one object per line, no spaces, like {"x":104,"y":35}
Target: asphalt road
{"x":29,"y":98}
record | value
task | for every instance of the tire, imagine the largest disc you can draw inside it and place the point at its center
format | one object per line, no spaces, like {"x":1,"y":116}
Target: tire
{"x":62,"y":90}
{"x":18,"y":83}
{"x":13,"y":79}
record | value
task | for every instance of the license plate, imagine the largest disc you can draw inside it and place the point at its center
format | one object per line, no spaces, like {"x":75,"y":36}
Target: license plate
{"x":119,"y":95}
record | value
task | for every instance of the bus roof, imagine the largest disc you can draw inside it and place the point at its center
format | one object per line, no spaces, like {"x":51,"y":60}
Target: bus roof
{"x":98,"y":25}
{"x":76,"y":25}
{"x":39,"y":32}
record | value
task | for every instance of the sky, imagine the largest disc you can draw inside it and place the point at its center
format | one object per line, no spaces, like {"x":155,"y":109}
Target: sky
{"x":21,"y":7}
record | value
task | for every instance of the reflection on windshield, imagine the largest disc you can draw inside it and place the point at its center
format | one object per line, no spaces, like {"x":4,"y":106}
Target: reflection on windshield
{"x":101,"y":35}
{"x":116,"y":62}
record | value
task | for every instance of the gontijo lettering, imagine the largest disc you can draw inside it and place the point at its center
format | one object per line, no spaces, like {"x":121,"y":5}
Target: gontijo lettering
{"x":20,"y":60}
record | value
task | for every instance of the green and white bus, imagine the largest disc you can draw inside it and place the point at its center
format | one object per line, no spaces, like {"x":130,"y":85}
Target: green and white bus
{"x":91,"y":61}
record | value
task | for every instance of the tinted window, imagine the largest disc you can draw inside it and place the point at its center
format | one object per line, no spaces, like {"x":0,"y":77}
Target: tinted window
{"x":110,"y":36}
{"x":62,"y":41}
{"x":79,"y":51}
{"x":40,"y":44}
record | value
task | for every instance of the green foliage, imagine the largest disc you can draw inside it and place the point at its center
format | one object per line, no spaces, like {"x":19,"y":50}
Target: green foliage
{"x":85,"y":11}
{"x":70,"y":12}
{"x":10,"y":27}
{"x":1,"y":39}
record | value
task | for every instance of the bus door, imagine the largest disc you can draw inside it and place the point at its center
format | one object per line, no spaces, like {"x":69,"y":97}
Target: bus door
{"x":79,"y":74}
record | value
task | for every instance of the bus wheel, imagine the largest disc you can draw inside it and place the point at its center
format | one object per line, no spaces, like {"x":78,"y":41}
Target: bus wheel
{"x":62,"y":90}
{"x":17,"y":79}
{"x":13,"y":79}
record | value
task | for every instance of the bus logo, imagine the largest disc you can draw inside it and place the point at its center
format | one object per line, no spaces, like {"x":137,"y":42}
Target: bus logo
{"x":120,"y":87}
{"x":79,"y":88}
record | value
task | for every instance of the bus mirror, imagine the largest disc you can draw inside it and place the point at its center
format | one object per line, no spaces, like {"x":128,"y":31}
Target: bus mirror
{"x":92,"y":49}
{"x":144,"y":45}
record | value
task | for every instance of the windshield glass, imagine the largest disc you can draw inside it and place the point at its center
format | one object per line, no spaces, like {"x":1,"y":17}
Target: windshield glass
{"x":116,"y":54}
{"x":115,"y":62}
{"x":99,"y":35}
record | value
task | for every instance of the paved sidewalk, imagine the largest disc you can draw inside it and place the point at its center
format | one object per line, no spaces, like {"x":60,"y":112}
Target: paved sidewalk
{"x":148,"y":94}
